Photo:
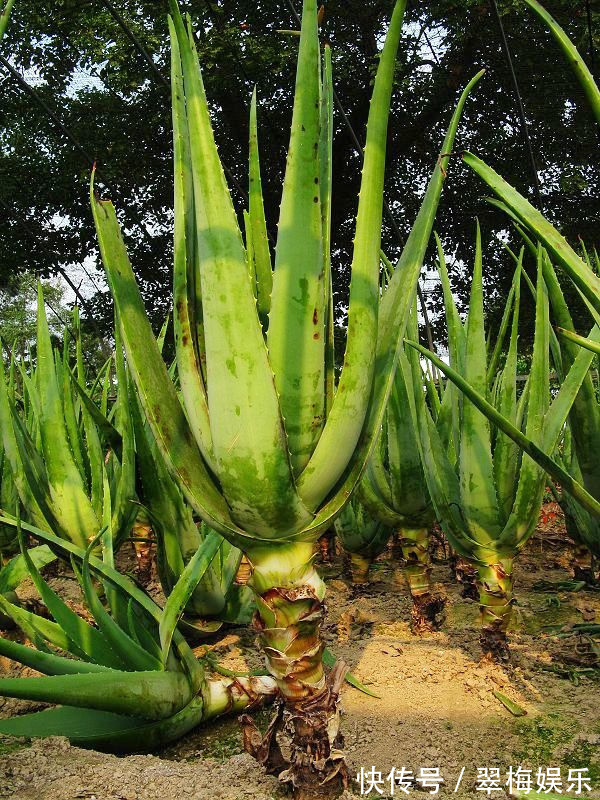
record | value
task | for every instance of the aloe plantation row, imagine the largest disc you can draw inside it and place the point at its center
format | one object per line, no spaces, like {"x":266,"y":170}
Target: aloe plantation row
{"x":253,"y":443}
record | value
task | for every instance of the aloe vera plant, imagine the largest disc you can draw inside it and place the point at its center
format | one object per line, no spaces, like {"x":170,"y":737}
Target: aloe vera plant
{"x":394,"y":491}
{"x":265,"y":452}
{"x":57,"y":455}
{"x":362,"y":538}
{"x":579,"y":476}
{"x":488,"y":498}
{"x":130,"y":681}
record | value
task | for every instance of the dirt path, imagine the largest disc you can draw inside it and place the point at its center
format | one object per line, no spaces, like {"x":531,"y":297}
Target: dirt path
{"x":436,"y":706}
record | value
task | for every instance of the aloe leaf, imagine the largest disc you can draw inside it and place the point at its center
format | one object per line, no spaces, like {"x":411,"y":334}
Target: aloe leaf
{"x":504,"y":323}
{"x":40,"y":630}
{"x":394,"y":313}
{"x":15,"y":572}
{"x":531,"y":479}
{"x":581,"y":341}
{"x":91,"y":641}
{"x":186,"y":268}
{"x":344,"y":425}
{"x":515,"y":709}
{"x":579,"y":272}
{"x":258,"y":224}
{"x":296,"y":337}
{"x":552,"y":468}
{"x":156,"y":391}
{"x":506,"y":452}
{"x":250,"y":448}
{"x":68,"y":499}
{"x":326,"y":156}
{"x":574,"y":59}
{"x":182,"y":591}
{"x":124,"y":584}
{"x":150,"y":695}
{"x":46,"y":663}
{"x":130,"y":653}
{"x":102,"y":730}
{"x":329,"y":660}
{"x":4,"y":16}
{"x":476,"y":470}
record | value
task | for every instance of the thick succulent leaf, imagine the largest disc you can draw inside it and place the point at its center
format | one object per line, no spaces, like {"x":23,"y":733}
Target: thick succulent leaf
{"x":326,"y":156}
{"x":296,"y":335}
{"x":69,"y":501}
{"x":248,"y":437}
{"x":504,"y":323}
{"x":130,"y":653}
{"x":46,"y":663}
{"x":393,"y":318}
{"x":552,"y":468}
{"x":506,"y":452}
{"x":574,"y":59}
{"x":182,"y":591}
{"x":101,"y":730}
{"x":579,"y":272}
{"x":15,"y":572}
{"x":345,"y":422}
{"x":261,"y":254}
{"x":150,"y":695}
{"x":155,"y":388}
{"x":531,"y":479}
{"x":128,"y":587}
{"x":90,"y":640}
{"x":185,"y":268}
{"x":40,"y":630}
{"x":4,"y":16}
{"x":479,"y":501}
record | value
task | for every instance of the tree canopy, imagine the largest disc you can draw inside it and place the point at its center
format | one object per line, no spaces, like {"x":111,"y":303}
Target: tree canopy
{"x":96,"y":97}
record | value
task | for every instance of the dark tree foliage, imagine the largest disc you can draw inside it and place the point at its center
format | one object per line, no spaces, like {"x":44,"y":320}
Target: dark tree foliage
{"x":119,"y":115}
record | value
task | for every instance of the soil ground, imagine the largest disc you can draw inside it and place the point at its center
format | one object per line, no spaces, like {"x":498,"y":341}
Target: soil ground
{"x":436,"y":705}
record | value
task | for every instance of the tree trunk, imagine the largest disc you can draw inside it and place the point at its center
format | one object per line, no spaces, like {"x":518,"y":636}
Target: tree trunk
{"x":302,"y":744}
{"x":495,"y":583}
{"x":428,"y":607}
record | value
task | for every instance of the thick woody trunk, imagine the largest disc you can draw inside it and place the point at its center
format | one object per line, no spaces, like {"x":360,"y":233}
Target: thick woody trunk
{"x":583,"y":565}
{"x":495,"y":583}
{"x":428,"y":607}
{"x":358,"y":568}
{"x":302,"y":744}
{"x":466,"y":575}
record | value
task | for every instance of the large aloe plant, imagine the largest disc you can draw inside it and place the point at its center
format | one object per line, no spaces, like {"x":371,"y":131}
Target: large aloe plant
{"x":580,"y":476}
{"x":57,"y":455}
{"x":262,"y":449}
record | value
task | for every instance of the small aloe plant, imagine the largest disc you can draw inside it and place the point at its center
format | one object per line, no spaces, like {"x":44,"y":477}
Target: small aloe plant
{"x":58,"y":456}
{"x":488,"y":497}
{"x":265,"y":449}
{"x":362,"y":538}
{"x":130,"y":680}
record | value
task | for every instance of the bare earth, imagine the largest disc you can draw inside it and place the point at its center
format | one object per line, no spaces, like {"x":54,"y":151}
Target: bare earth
{"x":436,"y":706}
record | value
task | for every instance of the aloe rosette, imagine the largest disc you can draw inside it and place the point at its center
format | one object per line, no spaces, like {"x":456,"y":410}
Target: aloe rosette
{"x":362,"y":538}
{"x":262,"y":448}
{"x":129,"y":681}
{"x":489,"y":507}
{"x":58,"y":456}
{"x":486,"y":497}
{"x":579,"y":474}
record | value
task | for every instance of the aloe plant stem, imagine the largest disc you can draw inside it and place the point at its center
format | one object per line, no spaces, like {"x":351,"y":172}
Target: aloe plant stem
{"x":289,"y":597}
{"x":495,"y":582}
